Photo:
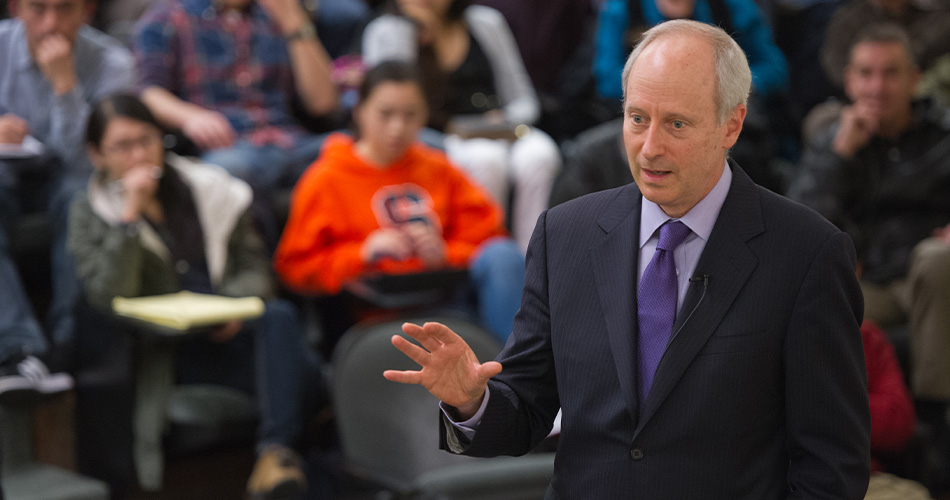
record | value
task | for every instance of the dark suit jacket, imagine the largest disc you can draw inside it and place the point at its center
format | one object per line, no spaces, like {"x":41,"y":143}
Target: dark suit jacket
{"x":761,"y":394}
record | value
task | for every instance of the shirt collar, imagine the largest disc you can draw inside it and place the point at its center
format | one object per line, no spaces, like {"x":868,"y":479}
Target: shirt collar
{"x":700,"y":219}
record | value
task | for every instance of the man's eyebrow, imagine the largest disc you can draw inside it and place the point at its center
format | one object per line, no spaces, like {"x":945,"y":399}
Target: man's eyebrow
{"x":676,"y":115}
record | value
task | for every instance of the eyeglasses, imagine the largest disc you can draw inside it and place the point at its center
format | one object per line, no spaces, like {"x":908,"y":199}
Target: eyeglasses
{"x":127,"y":146}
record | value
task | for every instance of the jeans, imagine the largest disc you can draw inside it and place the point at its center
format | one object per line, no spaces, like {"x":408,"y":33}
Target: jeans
{"x":269,"y":360}
{"x":497,"y":276}
{"x":267,"y":167}
{"x":19,"y":330}
{"x":39,"y":187}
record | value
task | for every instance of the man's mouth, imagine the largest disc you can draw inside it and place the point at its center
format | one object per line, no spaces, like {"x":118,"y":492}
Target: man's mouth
{"x":655,"y":173}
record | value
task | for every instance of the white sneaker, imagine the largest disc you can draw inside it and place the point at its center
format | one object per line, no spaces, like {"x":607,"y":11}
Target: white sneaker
{"x":32,"y":375}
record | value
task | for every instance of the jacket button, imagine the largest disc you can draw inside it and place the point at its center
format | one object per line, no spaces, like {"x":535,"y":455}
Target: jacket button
{"x":636,"y":453}
{"x":182,"y":266}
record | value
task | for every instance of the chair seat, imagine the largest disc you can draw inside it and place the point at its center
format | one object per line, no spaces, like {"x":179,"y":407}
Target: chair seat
{"x":502,"y":478}
{"x":44,"y":482}
{"x":389,"y":432}
{"x":209,"y":416}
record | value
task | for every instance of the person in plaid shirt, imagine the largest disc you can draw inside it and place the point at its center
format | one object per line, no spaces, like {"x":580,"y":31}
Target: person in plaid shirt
{"x":227,"y":73}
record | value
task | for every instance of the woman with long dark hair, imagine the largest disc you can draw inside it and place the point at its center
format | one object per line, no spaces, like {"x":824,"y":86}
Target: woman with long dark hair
{"x":477,"y":88}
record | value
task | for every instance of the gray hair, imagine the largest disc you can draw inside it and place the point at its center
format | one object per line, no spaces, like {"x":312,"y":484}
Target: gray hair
{"x":733,"y":76}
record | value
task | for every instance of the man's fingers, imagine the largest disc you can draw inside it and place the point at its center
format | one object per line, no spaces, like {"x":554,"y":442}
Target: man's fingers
{"x":441,"y":332}
{"x":414,"y":352}
{"x":428,"y":334}
{"x":403,"y":376}
{"x":489,"y":369}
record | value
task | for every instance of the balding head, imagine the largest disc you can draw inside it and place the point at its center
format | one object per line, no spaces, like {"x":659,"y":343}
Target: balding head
{"x":733,"y":78}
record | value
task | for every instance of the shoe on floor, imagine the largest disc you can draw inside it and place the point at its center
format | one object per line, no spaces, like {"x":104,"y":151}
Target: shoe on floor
{"x":277,"y":475}
{"x":29,"y":376}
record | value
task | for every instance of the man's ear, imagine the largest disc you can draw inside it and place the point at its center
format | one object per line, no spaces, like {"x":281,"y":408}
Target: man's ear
{"x":733,"y":126}
{"x":13,"y":7}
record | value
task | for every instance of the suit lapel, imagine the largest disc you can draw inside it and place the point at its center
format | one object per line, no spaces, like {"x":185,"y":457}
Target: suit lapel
{"x":616,"y":255}
{"x":728,"y":262}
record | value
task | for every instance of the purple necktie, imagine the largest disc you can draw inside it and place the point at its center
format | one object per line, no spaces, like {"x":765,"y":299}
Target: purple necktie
{"x":656,"y":304}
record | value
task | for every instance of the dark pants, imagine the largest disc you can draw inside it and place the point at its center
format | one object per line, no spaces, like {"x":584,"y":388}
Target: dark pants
{"x":269,"y":360}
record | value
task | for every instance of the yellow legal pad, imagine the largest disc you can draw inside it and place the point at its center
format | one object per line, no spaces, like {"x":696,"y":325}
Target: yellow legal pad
{"x":186,"y":310}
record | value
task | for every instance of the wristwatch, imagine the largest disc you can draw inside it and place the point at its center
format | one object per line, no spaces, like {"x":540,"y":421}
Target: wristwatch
{"x":305,"y":32}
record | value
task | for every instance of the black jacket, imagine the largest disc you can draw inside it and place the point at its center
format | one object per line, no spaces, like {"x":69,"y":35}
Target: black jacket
{"x":890,"y":196}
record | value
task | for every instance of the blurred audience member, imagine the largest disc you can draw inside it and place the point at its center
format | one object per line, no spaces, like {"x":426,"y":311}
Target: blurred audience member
{"x":556,"y":41}
{"x":478,"y":89}
{"x":547,"y":33}
{"x":383,"y":202}
{"x":595,"y":160}
{"x":892,"y":417}
{"x":800,"y":29}
{"x":226,"y":74}
{"x":927,"y":23}
{"x":154,"y":223}
{"x":881,"y":172}
{"x":52,"y":66}
{"x":336,"y":20}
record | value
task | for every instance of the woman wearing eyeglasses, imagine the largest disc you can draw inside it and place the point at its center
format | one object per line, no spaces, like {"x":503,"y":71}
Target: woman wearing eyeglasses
{"x":153,"y":223}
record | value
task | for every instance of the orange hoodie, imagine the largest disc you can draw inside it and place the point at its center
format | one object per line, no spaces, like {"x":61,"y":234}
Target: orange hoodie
{"x":341,"y":199}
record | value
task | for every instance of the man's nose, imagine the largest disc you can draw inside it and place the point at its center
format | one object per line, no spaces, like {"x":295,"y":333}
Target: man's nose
{"x":653,"y":142}
{"x":49,"y":21}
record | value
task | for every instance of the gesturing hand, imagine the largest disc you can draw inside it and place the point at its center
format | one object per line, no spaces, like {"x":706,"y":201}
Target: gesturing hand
{"x":450,"y":370}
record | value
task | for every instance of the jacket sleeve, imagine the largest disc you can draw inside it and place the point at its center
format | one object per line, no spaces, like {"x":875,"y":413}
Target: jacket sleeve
{"x":309,"y":258}
{"x":108,"y":259}
{"x":389,"y":38}
{"x":155,"y":46}
{"x":524,"y":400}
{"x":248,"y":272}
{"x":517,"y":94}
{"x":826,"y":400}
{"x":610,"y":48}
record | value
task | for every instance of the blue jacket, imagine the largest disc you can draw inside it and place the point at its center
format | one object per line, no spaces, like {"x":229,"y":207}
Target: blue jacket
{"x":769,"y":69}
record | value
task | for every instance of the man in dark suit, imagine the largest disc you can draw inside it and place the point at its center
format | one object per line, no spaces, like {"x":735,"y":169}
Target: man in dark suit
{"x":756,"y":390}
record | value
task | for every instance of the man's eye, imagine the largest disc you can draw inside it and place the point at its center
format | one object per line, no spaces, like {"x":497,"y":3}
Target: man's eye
{"x":637,"y":119}
{"x":678,"y":124}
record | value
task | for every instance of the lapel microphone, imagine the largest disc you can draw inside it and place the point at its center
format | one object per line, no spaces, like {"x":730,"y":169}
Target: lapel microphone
{"x":702,"y":277}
